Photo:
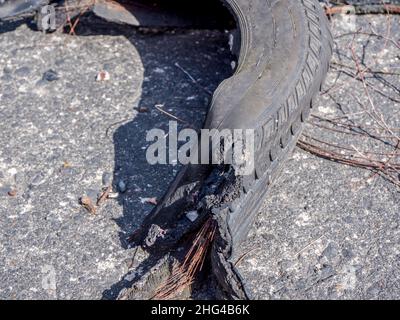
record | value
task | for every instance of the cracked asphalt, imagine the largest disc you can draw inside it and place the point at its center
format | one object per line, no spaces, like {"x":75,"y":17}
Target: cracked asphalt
{"x":326,"y":231}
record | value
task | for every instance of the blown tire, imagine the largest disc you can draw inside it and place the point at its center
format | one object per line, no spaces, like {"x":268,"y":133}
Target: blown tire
{"x":285,"y":48}
{"x":285,"y":52}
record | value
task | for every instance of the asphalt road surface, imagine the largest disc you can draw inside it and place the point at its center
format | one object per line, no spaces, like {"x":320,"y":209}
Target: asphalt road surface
{"x":326,"y":230}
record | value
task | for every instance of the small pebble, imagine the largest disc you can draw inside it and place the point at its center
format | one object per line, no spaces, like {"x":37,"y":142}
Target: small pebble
{"x":130,"y":276}
{"x":103,"y":76}
{"x":121,"y":186}
{"x":38,"y":180}
{"x":113,"y":195}
{"x":50,"y":75}
{"x":192,"y":216}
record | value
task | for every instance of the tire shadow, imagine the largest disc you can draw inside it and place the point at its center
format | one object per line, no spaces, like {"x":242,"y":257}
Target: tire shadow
{"x":166,"y":55}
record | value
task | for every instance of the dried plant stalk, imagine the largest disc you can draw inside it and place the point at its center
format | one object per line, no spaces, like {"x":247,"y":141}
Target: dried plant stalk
{"x":367,"y":127}
{"x":183,"y":275}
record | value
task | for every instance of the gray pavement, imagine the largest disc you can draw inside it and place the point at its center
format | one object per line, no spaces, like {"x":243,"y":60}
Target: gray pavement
{"x":326,"y":231}
{"x":329,"y":231}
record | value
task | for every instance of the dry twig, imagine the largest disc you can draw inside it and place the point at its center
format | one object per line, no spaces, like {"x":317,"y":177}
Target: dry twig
{"x":367,"y":127}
